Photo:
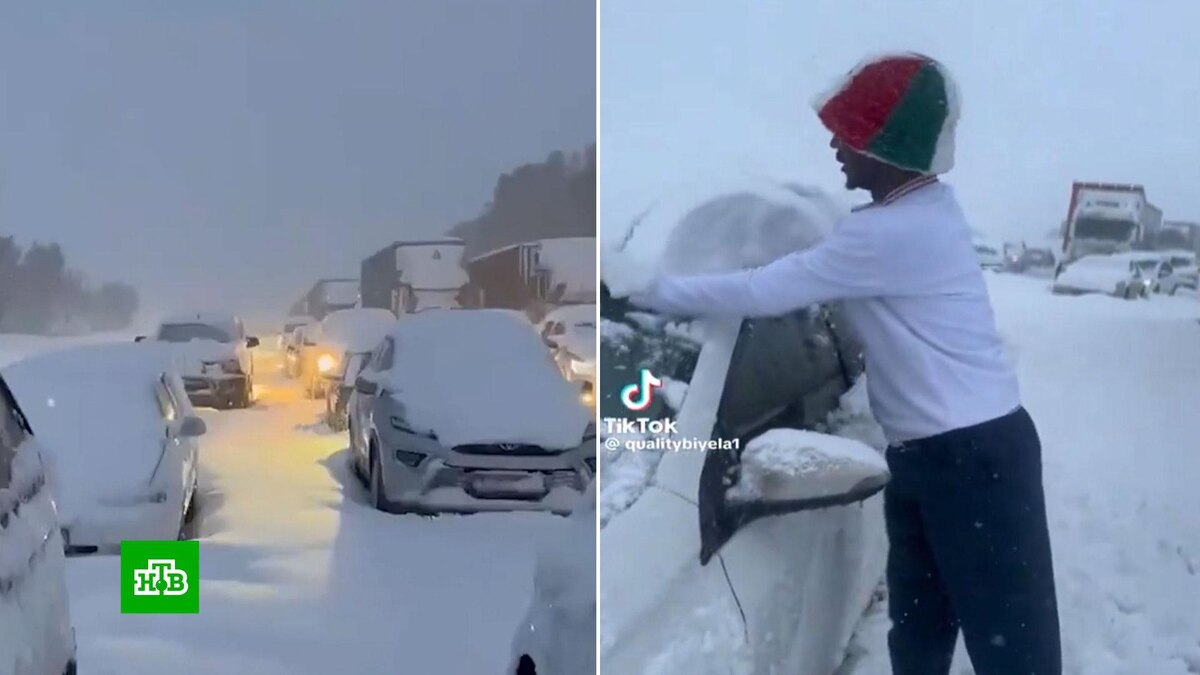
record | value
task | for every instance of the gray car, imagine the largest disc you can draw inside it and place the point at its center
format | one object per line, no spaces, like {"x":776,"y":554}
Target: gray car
{"x":465,"y":411}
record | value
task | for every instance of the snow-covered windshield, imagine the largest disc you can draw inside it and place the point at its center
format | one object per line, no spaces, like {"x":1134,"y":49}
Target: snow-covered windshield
{"x":186,"y":332}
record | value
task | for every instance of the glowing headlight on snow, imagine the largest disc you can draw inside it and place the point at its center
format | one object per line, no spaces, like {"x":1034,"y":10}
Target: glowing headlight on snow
{"x":326,"y":363}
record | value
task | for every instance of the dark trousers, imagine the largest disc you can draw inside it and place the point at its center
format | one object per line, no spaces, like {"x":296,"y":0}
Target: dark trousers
{"x":970,"y":550}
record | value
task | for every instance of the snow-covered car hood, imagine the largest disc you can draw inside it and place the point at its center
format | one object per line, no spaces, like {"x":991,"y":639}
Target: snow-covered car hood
{"x":729,"y":223}
{"x":482,"y":377}
{"x":1102,"y":278}
{"x":94,"y":409}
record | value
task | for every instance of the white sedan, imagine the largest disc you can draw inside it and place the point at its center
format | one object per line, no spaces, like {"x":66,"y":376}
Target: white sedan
{"x":717,"y":561}
{"x":123,"y":438}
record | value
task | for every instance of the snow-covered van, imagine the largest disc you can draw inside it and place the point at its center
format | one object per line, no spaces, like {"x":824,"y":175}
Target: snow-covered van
{"x":36,"y":637}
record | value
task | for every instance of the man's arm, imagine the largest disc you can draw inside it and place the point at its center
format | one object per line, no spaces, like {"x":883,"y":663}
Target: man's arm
{"x":845,"y":265}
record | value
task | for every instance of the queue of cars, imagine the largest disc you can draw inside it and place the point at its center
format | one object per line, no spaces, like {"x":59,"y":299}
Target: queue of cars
{"x":1129,"y":275}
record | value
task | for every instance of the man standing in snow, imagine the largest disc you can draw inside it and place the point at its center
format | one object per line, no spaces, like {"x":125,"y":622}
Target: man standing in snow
{"x":965,"y":511}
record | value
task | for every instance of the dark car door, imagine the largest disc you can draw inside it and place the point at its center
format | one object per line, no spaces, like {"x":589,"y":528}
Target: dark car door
{"x":786,"y":372}
{"x":363,"y":402}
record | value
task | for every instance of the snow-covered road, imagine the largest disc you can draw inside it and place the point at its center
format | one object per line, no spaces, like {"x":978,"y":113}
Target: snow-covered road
{"x":1115,"y":389}
{"x":299,"y":575}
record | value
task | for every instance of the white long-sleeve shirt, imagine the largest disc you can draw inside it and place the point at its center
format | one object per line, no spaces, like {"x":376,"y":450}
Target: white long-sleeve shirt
{"x":913,"y":291}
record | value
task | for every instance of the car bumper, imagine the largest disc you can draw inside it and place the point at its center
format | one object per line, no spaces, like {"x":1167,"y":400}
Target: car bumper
{"x":103,"y":528}
{"x":440,"y":486}
{"x":207,"y":389}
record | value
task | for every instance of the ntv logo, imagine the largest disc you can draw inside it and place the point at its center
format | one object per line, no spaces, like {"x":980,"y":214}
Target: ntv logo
{"x":160,"y":577}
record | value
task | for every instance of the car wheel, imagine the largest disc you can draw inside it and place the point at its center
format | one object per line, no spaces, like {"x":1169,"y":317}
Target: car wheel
{"x":378,"y":491}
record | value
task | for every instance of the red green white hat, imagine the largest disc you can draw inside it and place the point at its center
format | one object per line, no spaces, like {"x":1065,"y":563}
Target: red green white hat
{"x":901,"y":109}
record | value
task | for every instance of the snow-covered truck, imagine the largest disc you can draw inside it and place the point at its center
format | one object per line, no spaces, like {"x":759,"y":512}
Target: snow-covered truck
{"x":408,"y":276}
{"x":1105,"y":218}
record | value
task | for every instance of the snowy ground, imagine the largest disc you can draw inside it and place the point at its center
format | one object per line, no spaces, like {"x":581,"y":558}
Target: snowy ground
{"x":299,"y":575}
{"x":1114,"y":388}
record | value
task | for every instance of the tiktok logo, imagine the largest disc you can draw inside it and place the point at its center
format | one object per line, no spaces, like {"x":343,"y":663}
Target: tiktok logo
{"x":638,"y":396}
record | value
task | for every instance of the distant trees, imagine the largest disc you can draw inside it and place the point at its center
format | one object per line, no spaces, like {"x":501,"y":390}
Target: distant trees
{"x":40,"y":294}
{"x":554,"y":198}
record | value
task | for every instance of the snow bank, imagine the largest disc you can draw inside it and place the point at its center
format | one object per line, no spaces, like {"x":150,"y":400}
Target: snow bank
{"x":774,"y":463}
{"x":483,"y":376}
{"x":354,"y":330}
{"x":94,"y":409}
{"x":722,"y":224}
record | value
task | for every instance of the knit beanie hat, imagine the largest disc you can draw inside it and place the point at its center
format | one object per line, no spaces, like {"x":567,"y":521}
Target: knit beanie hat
{"x":901,"y":109}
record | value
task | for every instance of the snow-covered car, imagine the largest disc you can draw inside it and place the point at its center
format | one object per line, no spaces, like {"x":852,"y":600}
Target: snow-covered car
{"x":1178,"y":271}
{"x":289,"y":329}
{"x":758,"y":547}
{"x":557,"y":635}
{"x":36,"y":637}
{"x":570,"y":332}
{"x":217,"y":361}
{"x":1119,"y":275}
{"x":339,"y":350}
{"x":123,"y":436}
{"x":293,"y":351}
{"x":465,"y":411}
{"x":991,"y":256}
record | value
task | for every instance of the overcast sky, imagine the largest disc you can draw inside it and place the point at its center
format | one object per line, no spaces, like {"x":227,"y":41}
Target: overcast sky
{"x":227,"y":154}
{"x":1102,"y":90}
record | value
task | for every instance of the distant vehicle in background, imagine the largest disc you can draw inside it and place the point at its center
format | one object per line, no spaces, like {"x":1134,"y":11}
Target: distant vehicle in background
{"x":1120,"y":275}
{"x":1179,"y":271}
{"x":35,"y":620}
{"x":1108,"y":218}
{"x":340,"y":347}
{"x":991,"y":256}
{"x":289,"y":328}
{"x":1035,"y":260}
{"x":570,"y":333}
{"x":216,"y":359}
{"x":293,"y":348}
{"x":123,"y":436}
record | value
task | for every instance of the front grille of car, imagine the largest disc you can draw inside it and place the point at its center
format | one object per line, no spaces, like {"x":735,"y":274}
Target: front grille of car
{"x":515,"y":449}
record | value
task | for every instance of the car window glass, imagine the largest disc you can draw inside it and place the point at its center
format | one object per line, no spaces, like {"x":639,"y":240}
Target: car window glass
{"x":166,"y":404}
{"x":12,"y":435}
{"x":786,"y":372}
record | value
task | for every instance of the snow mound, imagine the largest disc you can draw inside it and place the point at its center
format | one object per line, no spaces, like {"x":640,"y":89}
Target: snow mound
{"x":726,"y":224}
{"x":483,"y":376}
{"x":772,"y":463}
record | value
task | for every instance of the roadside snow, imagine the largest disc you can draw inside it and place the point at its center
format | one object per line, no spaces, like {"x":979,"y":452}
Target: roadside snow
{"x":1112,"y":386}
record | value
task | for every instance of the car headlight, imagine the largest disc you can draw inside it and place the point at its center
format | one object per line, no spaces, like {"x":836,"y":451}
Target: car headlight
{"x":231,"y":366}
{"x":408,"y":458}
{"x":326,"y":363}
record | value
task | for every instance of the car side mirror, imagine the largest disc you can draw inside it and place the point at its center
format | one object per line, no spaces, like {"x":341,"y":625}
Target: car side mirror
{"x":364,"y":386}
{"x":140,"y":338}
{"x":252,"y":342}
{"x":192,"y":427}
{"x":780,"y":472}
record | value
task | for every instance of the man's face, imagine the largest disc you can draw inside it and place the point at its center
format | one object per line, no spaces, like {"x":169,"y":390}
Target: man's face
{"x":861,"y":170}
